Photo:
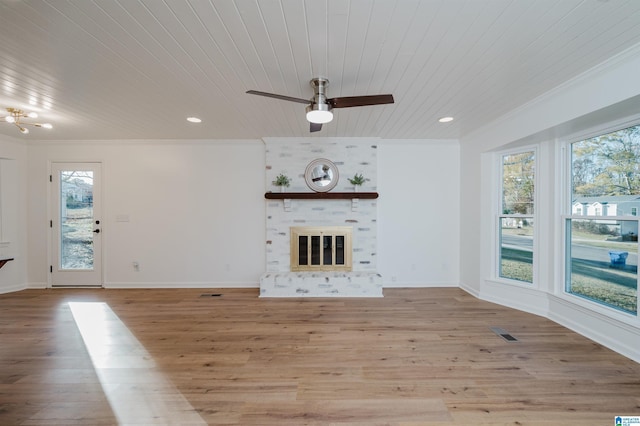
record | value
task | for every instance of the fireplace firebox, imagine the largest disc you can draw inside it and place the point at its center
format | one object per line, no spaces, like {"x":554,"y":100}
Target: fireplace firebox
{"x":321,"y":248}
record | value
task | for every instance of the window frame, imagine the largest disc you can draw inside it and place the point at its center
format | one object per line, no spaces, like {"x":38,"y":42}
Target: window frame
{"x":499,"y":216}
{"x":566,"y":216}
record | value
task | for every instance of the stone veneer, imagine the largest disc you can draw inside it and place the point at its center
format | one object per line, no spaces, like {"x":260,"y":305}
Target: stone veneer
{"x":291,"y":156}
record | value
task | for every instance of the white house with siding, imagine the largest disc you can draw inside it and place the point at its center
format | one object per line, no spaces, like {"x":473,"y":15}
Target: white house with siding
{"x":615,"y":205}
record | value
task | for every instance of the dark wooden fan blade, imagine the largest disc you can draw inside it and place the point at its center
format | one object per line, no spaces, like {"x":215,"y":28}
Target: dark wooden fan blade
{"x":281,"y":97}
{"x":315,"y":127}
{"x":356,"y":101}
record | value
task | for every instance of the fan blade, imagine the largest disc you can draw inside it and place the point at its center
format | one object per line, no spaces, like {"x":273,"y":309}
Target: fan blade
{"x":315,"y":127}
{"x":281,"y":97}
{"x":356,"y":101}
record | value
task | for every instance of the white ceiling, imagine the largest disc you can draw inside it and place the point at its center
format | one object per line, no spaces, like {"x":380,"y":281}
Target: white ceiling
{"x":129,"y":69}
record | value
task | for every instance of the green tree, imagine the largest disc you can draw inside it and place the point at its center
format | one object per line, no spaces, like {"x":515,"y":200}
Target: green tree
{"x":607,"y":164}
{"x":518,"y":186}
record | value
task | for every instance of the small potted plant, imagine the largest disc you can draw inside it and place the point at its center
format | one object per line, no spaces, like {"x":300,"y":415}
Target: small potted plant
{"x":357,"y":180}
{"x":282,"y":181}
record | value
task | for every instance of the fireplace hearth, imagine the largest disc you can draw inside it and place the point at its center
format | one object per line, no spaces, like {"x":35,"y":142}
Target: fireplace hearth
{"x":321,"y":284}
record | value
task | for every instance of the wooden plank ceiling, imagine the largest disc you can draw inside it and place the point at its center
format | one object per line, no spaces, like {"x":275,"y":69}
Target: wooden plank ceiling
{"x":135,"y":69}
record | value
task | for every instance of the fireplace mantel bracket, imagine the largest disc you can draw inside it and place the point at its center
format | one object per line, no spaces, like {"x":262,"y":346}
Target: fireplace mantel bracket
{"x":3,"y":261}
{"x":286,"y":197}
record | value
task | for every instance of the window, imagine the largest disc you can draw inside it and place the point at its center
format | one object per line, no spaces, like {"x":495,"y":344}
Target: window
{"x":602,"y":250}
{"x":516,"y":222}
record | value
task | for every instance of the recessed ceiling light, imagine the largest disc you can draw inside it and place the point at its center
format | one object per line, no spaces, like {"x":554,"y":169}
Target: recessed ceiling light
{"x":445,"y":119}
{"x":194,"y":119}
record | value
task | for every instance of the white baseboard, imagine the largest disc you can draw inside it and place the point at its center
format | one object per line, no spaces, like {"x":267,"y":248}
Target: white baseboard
{"x":521,"y":298}
{"x":416,"y":284}
{"x":12,"y":288}
{"x":37,"y":286}
{"x":472,"y":291}
{"x":603,"y":329}
{"x":155,"y":284}
{"x":615,"y":335}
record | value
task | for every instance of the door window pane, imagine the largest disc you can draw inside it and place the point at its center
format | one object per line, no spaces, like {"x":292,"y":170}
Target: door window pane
{"x":76,"y":220}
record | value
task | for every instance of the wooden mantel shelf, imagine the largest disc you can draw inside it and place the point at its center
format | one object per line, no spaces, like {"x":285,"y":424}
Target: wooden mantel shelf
{"x":320,"y":195}
{"x":3,"y":261}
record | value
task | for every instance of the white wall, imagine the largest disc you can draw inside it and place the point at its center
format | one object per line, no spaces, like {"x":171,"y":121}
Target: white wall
{"x":195,"y":209}
{"x":13,"y":213}
{"x":419,"y":213}
{"x":608,"y":92}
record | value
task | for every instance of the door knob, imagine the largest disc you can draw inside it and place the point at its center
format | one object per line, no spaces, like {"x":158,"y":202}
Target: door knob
{"x":97,"y":231}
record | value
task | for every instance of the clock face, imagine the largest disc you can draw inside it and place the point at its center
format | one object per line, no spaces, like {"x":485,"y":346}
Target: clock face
{"x":321,"y":175}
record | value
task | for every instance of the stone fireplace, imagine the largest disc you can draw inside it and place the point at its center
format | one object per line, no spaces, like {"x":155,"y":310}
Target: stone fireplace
{"x":285,"y":218}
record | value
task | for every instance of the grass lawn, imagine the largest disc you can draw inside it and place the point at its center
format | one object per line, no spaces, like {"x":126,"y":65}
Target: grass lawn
{"x":612,"y":294}
{"x":590,"y":279}
{"x":517,"y":270}
{"x":524,"y":231}
{"x":516,"y":264}
{"x":616,"y":287}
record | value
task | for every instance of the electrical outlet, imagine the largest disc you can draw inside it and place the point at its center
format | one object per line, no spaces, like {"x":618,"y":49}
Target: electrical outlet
{"x":136,"y":266}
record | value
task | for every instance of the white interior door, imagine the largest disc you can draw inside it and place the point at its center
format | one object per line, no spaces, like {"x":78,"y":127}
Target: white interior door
{"x":76,"y":225}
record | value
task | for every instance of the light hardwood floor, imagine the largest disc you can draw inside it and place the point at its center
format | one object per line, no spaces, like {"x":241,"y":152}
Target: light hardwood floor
{"x":414,"y":357}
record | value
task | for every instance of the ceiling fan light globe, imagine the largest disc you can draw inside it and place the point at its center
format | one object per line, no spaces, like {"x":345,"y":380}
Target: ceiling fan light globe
{"x":319,"y":114}
{"x":319,"y":117}
{"x":10,"y":119}
{"x":24,"y":130}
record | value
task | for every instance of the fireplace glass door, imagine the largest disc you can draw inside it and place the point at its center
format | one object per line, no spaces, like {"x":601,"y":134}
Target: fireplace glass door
{"x":321,"y":248}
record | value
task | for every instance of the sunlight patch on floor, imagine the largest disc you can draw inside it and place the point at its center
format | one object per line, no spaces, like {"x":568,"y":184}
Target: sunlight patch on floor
{"x":137,"y":392}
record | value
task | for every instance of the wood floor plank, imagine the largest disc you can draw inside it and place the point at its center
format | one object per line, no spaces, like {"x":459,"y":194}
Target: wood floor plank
{"x":350,"y":411}
{"x":414,"y":357}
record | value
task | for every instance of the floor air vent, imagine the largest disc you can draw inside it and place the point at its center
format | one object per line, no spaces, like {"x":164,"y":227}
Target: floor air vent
{"x":504,"y":334}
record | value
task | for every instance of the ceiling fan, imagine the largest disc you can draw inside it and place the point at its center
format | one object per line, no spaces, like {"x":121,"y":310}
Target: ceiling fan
{"x":319,"y":106}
